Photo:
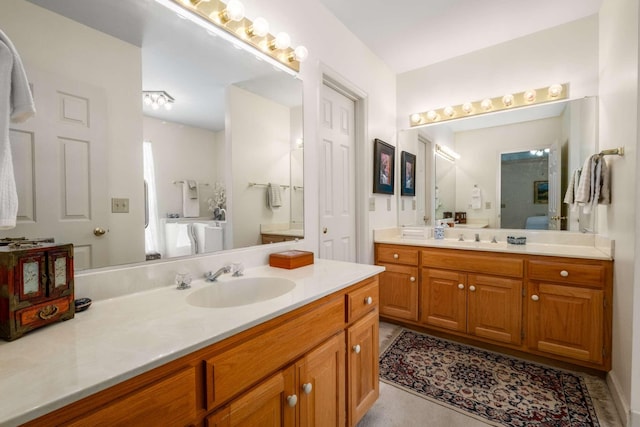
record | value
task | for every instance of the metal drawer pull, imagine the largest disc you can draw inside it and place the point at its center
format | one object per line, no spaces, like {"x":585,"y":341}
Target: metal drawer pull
{"x":292,"y":400}
{"x":472,"y":288}
{"x":48,"y":312}
{"x":564,"y":273}
{"x":535,"y":297}
{"x":368,"y":300}
{"x":460,"y":286}
{"x":356,"y":348}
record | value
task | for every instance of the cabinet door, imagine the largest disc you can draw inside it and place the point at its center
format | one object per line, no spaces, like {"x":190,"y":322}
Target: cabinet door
{"x":399,"y":292}
{"x":31,"y":274}
{"x":444,"y":299}
{"x":495,"y":308}
{"x":566,"y":321}
{"x":321,"y":384}
{"x":362,"y":348}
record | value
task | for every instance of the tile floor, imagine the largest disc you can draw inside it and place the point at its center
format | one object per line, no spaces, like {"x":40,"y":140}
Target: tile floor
{"x":396,"y":407}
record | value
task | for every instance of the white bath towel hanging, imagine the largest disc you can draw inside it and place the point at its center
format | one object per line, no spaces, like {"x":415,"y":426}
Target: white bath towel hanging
{"x":476,"y":198}
{"x":190,"y":205}
{"x":274,"y":196}
{"x":16,"y":105}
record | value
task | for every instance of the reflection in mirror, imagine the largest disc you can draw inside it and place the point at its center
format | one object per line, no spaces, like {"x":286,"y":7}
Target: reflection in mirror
{"x":477,"y":185}
{"x":160,"y":182}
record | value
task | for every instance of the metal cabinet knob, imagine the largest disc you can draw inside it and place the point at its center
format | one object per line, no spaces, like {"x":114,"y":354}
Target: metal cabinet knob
{"x":472,"y":288}
{"x":292,"y":400}
{"x":564,"y":273}
{"x":307,"y":387}
{"x":460,"y":286}
{"x":535,"y":297}
{"x":368,"y":300}
{"x":356,"y":348}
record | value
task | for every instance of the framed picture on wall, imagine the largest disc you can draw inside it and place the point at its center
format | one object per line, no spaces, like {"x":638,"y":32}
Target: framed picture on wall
{"x":383,"y":167}
{"x":541,"y":192}
{"x":408,"y":174}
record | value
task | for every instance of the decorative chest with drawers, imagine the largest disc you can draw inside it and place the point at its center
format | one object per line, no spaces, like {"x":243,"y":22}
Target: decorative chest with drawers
{"x":36,"y":287}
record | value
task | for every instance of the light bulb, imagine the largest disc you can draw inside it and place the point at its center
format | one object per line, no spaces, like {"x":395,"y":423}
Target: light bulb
{"x":234,"y":10}
{"x":530,"y":96}
{"x":415,"y":118}
{"x":300,"y":53}
{"x":161,"y":100}
{"x":449,"y":111}
{"x":282,"y":41}
{"x":507,"y":100}
{"x":260,"y":27}
{"x":555,"y":90}
{"x":486,"y":104}
{"x":432,"y":115}
{"x":467,"y":107}
{"x":147,"y":100}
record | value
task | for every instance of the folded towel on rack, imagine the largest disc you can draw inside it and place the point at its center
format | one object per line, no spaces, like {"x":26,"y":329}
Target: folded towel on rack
{"x":16,"y":105}
{"x":594,"y":184}
{"x":572,"y":189}
{"x":274,"y":196}
{"x":193,"y":189}
{"x":190,"y":205}
{"x":476,"y":198}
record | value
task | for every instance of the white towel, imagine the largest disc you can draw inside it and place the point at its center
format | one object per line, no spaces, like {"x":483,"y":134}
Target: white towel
{"x":16,"y":105}
{"x":583,"y":194}
{"x":570,"y":195}
{"x":193,"y":189}
{"x":190,"y":205}
{"x":274,"y":196}
{"x":476,"y":198}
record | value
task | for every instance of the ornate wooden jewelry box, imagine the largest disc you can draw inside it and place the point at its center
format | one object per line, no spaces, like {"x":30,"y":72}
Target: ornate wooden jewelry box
{"x":36,"y":286}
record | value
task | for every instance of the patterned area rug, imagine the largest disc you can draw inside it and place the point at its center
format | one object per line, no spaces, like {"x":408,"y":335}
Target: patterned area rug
{"x":496,"y":388}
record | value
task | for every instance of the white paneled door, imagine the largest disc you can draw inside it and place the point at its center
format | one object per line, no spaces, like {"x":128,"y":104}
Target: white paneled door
{"x":59,"y":160}
{"x":337,"y":177}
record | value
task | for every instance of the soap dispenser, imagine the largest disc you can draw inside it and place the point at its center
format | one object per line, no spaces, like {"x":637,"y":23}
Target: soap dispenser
{"x":438,"y":230}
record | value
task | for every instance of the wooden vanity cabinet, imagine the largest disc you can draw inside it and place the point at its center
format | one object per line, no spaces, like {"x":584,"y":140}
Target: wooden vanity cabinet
{"x":293,"y":370}
{"x":399,"y":281}
{"x":557,"y":307}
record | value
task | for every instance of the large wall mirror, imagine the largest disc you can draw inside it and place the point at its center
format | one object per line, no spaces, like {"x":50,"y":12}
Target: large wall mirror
{"x":126,"y":179}
{"x":510,"y":170}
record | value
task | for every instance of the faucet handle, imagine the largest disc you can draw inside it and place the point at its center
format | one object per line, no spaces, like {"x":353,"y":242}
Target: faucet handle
{"x":237,"y":268}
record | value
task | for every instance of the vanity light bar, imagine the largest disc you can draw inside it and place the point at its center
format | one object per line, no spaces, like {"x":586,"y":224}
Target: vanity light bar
{"x":225,"y":21}
{"x":446,"y":153}
{"x":509,"y":101}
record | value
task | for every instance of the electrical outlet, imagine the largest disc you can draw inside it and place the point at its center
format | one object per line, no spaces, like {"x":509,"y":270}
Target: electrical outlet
{"x":119,"y":205}
{"x":372,"y":204}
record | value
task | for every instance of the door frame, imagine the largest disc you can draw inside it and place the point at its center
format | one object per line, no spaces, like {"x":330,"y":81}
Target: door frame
{"x":343,"y":86}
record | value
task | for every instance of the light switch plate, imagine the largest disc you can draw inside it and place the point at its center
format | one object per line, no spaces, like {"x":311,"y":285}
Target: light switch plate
{"x":119,"y":205}
{"x":388,"y":204}
{"x":372,"y":204}
{"x":487,"y":205}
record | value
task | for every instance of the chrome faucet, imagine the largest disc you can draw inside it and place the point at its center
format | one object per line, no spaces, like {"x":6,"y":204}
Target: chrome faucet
{"x":210,"y":276}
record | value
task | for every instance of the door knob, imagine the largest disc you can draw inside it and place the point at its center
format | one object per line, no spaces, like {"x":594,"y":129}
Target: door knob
{"x":99,"y":231}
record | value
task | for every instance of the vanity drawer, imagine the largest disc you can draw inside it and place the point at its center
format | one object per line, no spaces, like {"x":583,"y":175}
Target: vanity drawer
{"x":497,"y":264}
{"x":591,"y":274}
{"x":43,"y":313}
{"x":397,"y":255}
{"x":362,"y":300}
{"x":233,"y":371}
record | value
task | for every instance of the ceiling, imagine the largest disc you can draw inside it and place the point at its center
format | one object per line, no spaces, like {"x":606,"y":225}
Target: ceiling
{"x":410,"y":34}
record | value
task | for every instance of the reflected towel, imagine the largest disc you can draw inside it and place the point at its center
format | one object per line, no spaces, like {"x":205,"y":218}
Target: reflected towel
{"x":16,"y":105}
{"x":190,"y":205}
{"x":476,"y":198}
{"x":572,"y":189}
{"x":274,"y":196}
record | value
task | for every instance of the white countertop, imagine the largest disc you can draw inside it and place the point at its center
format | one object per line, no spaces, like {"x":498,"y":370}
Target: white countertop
{"x":119,"y":338}
{"x":547,"y":249}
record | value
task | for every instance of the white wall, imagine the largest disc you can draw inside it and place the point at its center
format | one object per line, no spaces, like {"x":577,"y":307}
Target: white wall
{"x":53,"y":43}
{"x":618,"y":115}
{"x":260,"y":154}
{"x":197,"y":160}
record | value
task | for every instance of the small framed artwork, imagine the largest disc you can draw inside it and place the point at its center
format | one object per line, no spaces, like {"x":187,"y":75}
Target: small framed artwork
{"x":408,"y":173}
{"x":383,"y":167}
{"x":541,"y":192}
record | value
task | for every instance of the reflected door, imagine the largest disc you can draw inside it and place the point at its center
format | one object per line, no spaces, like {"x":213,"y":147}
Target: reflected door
{"x":337,"y":180}
{"x":59,"y":160}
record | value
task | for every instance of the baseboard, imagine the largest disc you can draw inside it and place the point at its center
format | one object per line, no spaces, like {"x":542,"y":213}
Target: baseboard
{"x":622,"y":406}
{"x":635,"y":419}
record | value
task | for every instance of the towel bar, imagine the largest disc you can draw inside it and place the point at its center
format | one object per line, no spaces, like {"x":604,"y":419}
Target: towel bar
{"x":255,"y":184}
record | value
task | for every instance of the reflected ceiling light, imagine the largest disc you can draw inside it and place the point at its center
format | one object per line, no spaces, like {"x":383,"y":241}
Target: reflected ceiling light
{"x":157,"y":98}
{"x":539,"y":153}
{"x":530,"y":96}
{"x":446,"y":153}
{"x":527,"y":98}
{"x":555,"y":90}
{"x":227,"y":20}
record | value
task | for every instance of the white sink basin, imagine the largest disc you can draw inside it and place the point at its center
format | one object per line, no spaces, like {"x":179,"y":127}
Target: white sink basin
{"x":240,"y":291}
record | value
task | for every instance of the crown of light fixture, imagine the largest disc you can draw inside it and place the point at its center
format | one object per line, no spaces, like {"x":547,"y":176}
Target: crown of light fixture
{"x":509,"y":101}
{"x":157,"y":98}
{"x":228,"y":21}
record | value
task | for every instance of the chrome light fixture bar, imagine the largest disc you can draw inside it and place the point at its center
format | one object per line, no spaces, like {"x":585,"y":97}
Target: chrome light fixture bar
{"x":446,"y":153}
{"x":508,"y":101}
{"x":228,"y":22}
{"x":157,"y":98}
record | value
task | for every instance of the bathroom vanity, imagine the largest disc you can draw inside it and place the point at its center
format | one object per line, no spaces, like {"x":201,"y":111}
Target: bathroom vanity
{"x":309,"y":356}
{"x":551,"y":300}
